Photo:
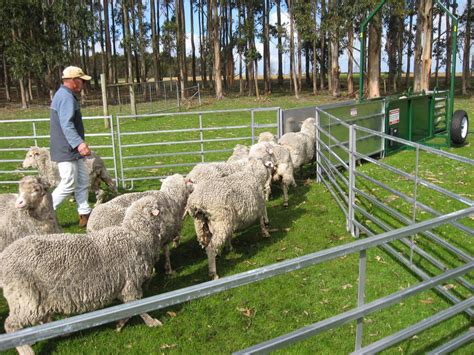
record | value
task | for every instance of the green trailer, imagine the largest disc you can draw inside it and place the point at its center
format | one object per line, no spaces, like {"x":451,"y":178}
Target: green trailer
{"x":421,"y":116}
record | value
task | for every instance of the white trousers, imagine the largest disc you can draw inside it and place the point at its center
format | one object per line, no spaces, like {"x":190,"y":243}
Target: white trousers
{"x":74,"y":179}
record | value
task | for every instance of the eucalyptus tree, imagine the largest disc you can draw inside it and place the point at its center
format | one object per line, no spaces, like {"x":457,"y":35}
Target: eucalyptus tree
{"x":181,"y":45}
{"x":193,"y":46}
{"x":155,"y":43}
{"x":468,"y":33}
{"x":423,"y":46}
{"x":394,"y":42}
{"x":216,"y":49}
{"x":128,"y":52}
{"x":293,"y":77}
{"x":281,"y":33}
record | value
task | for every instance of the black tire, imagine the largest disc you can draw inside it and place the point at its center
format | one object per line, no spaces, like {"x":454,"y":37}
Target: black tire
{"x":459,"y":127}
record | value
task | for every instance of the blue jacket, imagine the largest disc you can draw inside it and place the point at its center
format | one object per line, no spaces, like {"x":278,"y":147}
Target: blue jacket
{"x":66,"y":127}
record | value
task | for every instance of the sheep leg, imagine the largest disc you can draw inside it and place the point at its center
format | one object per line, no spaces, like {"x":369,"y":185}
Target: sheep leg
{"x":211,"y":259}
{"x":228,"y":245}
{"x":264,"y":223}
{"x":168,"y":270}
{"x":150,"y":321}
{"x":23,"y":349}
{"x":285,"y":193}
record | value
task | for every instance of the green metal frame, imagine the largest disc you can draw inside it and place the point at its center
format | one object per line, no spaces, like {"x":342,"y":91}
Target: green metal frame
{"x":450,"y":97}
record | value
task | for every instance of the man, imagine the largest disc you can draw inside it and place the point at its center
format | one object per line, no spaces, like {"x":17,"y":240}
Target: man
{"x":67,"y":143}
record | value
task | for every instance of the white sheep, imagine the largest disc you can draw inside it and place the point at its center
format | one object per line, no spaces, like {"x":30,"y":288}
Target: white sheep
{"x":207,"y":172}
{"x":43,"y":275}
{"x":228,"y":204}
{"x":174,"y":193}
{"x":241,"y":152}
{"x":301,"y":145}
{"x":284,"y":164}
{"x":39,"y":158}
{"x":28,"y":212}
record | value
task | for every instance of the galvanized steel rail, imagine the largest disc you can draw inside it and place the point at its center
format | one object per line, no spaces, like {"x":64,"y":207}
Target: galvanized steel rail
{"x":107,"y":315}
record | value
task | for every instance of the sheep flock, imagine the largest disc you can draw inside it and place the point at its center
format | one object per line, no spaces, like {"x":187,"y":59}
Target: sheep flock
{"x":44,"y":272}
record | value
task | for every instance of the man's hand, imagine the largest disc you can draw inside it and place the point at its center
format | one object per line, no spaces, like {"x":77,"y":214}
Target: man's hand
{"x":83,"y":149}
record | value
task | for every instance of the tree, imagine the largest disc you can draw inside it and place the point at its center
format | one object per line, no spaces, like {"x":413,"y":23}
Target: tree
{"x":155,"y":44}
{"x":280,"y":33}
{"x":181,"y":46}
{"x":217,"y":49}
{"x":293,"y":76}
{"x":423,"y":46}
{"x":468,"y":33}
{"x":128,"y":53}
{"x":375,"y":39}
{"x":193,"y":47}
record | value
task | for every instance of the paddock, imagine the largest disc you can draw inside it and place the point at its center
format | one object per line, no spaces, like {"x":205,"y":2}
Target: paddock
{"x":399,"y":206}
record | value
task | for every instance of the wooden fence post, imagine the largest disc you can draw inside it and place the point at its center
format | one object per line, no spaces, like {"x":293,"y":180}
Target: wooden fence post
{"x":103,"y":85}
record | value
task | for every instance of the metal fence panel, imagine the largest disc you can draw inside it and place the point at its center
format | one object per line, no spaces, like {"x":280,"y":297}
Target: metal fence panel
{"x":17,"y":136}
{"x":154,"y":146}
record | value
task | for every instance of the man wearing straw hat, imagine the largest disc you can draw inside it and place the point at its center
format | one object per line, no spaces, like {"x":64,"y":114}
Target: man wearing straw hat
{"x":67,"y":143}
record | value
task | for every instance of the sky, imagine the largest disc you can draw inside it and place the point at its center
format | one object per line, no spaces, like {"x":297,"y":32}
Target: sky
{"x":343,"y":59}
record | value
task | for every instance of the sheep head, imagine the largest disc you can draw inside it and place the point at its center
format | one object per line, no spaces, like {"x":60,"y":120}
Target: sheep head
{"x":31,"y":192}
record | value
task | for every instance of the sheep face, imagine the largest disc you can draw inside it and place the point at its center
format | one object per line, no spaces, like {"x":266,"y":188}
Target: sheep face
{"x":31,"y":158}
{"x":31,"y":192}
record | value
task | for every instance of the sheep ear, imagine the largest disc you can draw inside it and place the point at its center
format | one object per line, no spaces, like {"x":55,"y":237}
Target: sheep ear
{"x":155,"y":212}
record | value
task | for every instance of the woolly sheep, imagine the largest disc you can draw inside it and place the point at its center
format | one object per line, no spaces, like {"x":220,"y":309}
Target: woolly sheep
{"x":207,"y":172}
{"x":241,"y":152}
{"x":28,"y":212}
{"x":78,"y":273}
{"x":39,"y":158}
{"x":284,"y":164}
{"x":226,"y":205}
{"x":301,"y":145}
{"x":174,"y":194}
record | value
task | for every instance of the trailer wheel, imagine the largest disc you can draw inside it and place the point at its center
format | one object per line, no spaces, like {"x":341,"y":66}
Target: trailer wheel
{"x":459,"y":127}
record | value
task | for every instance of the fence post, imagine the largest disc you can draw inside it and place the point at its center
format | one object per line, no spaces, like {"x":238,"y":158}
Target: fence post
{"x":361,"y":297}
{"x":133,"y":106}
{"x":318,"y":147}
{"x":351,"y":194}
{"x":103,"y":86}
{"x":199,"y":94}
{"x":252,"y":123}
{"x":201,"y":137}
{"x":412,"y":239}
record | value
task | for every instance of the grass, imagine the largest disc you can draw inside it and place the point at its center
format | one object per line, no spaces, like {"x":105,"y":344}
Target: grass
{"x":242,"y":317}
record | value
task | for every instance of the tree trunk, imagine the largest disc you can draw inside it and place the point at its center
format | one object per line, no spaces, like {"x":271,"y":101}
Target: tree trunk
{"x":125,"y":39}
{"x":141,"y":45}
{"x":114,"y":49}
{"x":128,"y":53}
{"x":24,"y":101}
{"x":467,"y":49}
{"x":6,"y":79}
{"x":292,"y":49}
{"x":323,"y":68}
{"x":217,"y":50}
{"x":108,"y":50}
{"x":447,"y":75}
{"x":423,"y":46}
{"x":181,"y":46}
{"x":154,"y":45}
{"x":133,"y":38}
{"x":266,"y":47}
{"x":409,"y":45}
{"x":438,"y":47}
{"x":280,"y":43}
{"x":202,"y":43}
{"x":315,"y":53}
{"x":350,"y":62}
{"x":193,"y":47}
{"x":336,"y":87}
{"x":375,"y":35}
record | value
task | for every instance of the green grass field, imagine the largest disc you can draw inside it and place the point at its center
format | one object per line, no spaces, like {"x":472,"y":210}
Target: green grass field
{"x":236,"y":319}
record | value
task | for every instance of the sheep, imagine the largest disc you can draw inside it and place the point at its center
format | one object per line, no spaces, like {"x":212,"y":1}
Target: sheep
{"x":43,"y":275}
{"x":39,"y":158}
{"x":28,"y":212}
{"x":175,"y":190}
{"x":284,"y":164}
{"x":301,"y":145}
{"x":207,"y":172}
{"x":241,"y":152}
{"x":229,"y":204}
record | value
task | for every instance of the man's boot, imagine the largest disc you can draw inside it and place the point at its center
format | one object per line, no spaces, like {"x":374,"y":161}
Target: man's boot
{"x":83,"y":218}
